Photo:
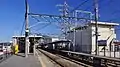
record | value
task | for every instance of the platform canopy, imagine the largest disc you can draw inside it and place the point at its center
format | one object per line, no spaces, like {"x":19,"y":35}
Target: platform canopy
{"x":24,"y":36}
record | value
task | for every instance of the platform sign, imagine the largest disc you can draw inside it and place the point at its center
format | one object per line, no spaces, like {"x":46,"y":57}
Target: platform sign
{"x":102,"y":43}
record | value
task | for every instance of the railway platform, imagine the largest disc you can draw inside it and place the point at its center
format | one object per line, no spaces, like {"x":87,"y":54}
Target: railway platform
{"x":47,"y":58}
{"x":20,"y":61}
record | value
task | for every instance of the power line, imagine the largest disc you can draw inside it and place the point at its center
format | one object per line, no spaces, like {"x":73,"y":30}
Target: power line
{"x":100,"y":1}
{"x":43,"y":27}
{"x":112,"y":12}
{"x":79,"y":5}
{"x":22,"y":27}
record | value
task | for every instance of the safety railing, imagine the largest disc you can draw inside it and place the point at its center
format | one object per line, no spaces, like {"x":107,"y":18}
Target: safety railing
{"x":4,"y":56}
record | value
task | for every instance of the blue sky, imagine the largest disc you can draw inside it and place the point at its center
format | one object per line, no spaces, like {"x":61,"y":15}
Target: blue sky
{"x":12,"y":13}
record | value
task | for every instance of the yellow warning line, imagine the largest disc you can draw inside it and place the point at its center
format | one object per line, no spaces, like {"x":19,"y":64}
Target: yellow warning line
{"x":40,"y":59}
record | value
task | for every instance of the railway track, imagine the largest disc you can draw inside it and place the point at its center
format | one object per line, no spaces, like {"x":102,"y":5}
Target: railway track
{"x":75,"y":61}
{"x":45,"y":58}
{"x":63,"y":61}
{"x":104,"y":61}
{"x":83,"y":62}
{"x":73,"y":58}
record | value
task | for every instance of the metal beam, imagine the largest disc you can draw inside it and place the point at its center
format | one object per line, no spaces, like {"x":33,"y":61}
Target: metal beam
{"x":57,"y":16}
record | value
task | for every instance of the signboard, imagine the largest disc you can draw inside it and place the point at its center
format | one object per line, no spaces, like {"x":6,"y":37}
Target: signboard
{"x":102,"y":43}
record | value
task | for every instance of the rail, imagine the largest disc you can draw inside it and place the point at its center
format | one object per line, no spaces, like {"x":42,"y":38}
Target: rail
{"x":63,"y":61}
{"x":96,"y":60}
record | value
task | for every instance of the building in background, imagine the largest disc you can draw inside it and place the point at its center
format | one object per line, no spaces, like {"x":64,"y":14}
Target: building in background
{"x":20,"y":40}
{"x":83,"y":37}
{"x":5,"y":47}
{"x":55,"y":39}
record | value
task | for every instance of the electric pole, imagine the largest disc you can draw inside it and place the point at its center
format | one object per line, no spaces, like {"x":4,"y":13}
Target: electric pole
{"x":65,"y":25}
{"x":26,"y":29}
{"x":96,"y":25}
{"x":65,"y":14}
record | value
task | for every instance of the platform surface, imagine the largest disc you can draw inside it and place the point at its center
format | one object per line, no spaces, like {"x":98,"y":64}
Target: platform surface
{"x":21,"y":61}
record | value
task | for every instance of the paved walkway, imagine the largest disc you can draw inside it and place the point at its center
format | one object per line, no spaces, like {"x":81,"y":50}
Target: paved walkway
{"x":20,"y":61}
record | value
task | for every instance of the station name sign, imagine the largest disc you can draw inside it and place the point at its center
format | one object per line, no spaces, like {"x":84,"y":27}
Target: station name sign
{"x":102,"y":42}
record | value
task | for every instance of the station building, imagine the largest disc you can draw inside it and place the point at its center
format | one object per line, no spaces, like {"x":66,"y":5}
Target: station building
{"x":83,"y":37}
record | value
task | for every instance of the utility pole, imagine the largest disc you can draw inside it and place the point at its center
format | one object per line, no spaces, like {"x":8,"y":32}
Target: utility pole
{"x":74,"y":31}
{"x":96,"y":25}
{"x":26,"y":29}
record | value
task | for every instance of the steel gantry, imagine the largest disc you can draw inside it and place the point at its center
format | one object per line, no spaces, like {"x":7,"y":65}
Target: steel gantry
{"x":56,"y":19}
{"x":65,"y":23}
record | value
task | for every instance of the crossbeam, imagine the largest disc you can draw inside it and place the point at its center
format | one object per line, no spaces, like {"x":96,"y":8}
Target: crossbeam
{"x":57,"y":16}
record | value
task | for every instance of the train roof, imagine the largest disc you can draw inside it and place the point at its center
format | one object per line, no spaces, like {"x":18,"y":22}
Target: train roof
{"x":60,"y":41}
{"x":105,"y":23}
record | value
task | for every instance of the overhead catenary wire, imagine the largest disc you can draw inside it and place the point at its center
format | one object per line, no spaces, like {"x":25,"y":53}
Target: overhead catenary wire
{"x":44,"y":25}
{"x":115,"y":12}
{"x":87,"y":1}
{"x":112,"y":12}
{"x":22,"y":28}
{"x":92,"y":6}
{"x":79,"y":6}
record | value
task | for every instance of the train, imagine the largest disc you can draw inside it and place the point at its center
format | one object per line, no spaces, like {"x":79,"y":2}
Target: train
{"x":58,"y":45}
{"x":62,"y":47}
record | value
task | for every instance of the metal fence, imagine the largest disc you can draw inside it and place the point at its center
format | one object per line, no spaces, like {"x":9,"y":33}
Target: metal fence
{"x":4,"y":57}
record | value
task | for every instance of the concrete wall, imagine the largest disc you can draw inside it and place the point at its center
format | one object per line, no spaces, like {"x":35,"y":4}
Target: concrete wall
{"x":85,"y":39}
{"x":106,"y":33}
{"x":70,"y":36}
{"x":82,"y":40}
